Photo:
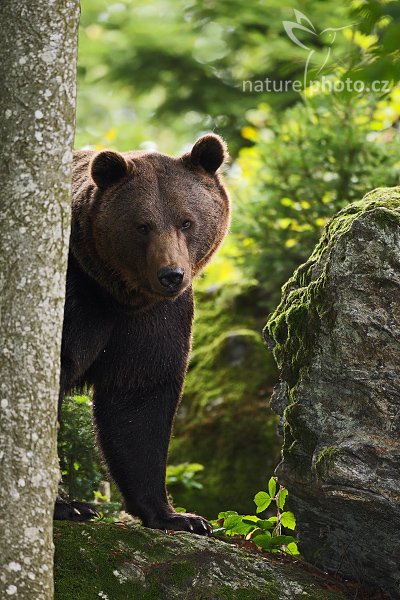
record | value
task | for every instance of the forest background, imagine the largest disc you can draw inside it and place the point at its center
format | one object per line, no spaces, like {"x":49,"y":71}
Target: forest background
{"x":156,"y":75}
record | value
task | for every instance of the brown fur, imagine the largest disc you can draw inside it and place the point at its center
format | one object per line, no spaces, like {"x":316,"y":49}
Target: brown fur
{"x":157,"y":190}
{"x":126,"y":331}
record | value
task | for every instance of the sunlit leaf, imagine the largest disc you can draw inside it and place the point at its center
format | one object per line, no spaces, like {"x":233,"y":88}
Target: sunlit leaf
{"x":288,"y":520}
{"x":292,"y":549}
{"x":272,"y":487}
{"x":262,"y":501}
{"x":282,"y":494}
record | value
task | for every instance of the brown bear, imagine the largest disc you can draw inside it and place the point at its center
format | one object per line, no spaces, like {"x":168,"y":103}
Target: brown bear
{"x":143,"y":226}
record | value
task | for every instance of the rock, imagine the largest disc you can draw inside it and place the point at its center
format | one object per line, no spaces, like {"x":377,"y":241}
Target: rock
{"x":336,"y":339}
{"x":113,"y":562}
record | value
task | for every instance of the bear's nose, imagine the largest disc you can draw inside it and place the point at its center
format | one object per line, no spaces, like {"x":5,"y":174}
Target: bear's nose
{"x":171,"y":277}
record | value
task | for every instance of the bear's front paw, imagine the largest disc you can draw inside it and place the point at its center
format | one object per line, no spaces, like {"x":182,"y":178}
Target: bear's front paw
{"x":180,"y":522}
{"x":72,"y":510}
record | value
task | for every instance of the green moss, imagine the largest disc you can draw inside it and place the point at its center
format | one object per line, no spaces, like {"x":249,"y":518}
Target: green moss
{"x":294,"y":324}
{"x":86,"y":556}
{"x":96,"y":560}
{"x":180,"y":574}
{"x":325,"y":460}
{"x":270,"y":592}
{"x":299,"y":441}
{"x":327,"y":454}
{"x":298,"y":427}
{"x":292,"y":330}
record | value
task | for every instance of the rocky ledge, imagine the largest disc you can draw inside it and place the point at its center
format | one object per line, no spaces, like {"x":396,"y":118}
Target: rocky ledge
{"x":120,"y":562}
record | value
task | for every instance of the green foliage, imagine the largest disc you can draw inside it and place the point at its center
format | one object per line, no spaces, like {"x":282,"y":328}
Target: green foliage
{"x":80,"y":465}
{"x":155,"y":75}
{"x":306,"y":164}
{"x":109,"y":511}
{"x":185,"y":474}
{"x":378,"y":24}
{"x":262,"y":500}
{"x":266,"y":533}
{"x":148,"y":68}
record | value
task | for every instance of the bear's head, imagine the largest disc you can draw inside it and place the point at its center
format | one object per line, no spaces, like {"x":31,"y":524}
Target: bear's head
{"x":143,"y":223}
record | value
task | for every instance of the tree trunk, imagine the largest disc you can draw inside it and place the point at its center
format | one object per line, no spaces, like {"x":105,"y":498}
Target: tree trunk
{"x":37,"y":110}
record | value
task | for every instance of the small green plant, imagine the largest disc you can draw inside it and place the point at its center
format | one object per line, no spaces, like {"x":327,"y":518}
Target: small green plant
{"x":109,"y":512}
{"x":80,"y":463}
{"x":266,"y":533}
{"x":185,"y":474}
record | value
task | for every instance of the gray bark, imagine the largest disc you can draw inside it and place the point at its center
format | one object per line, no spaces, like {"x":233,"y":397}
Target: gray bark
{"x":37,"y":110}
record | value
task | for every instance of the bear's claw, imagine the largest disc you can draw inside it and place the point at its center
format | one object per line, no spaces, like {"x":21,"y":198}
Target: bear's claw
{"x":181,"y":522}
{"x":72,"y":510}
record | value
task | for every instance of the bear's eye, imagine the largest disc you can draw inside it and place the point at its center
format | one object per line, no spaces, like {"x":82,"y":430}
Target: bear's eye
{"x":186,"y":224}
{"x":145,"y":229}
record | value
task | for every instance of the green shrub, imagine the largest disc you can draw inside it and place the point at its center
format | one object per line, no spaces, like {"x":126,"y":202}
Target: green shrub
{"x":268,"y":532}
{"x":305,"y":164}
{"x":80,"y":464}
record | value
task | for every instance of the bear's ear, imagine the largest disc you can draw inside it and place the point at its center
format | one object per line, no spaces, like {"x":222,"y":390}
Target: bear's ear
{"x":209,"y":152}
{"x":107,"y":167}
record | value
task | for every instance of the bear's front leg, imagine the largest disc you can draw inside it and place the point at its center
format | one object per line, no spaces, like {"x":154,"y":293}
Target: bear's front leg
{"x":133,"y":430}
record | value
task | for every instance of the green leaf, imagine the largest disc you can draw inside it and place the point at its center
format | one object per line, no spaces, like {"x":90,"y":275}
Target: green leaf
{"x":292,"y":549}
{"x":251,"y":523}
{"x":81,"y":399}
{"x":281,"y":499}
{"x":281,"y":540}
{"x":244,"y":529}
{"x":263,"y":541}
{"x":250,"y":519}
{"x":196,"y":485}
{"x":232,"y":522}
{"x":272,"y":487}
{"x":288,"y":520}
{"x":262,"y":500}
{"x":226,"y":514}
{"x":268,"y":542}
{"x":234,"y":525}
{"x":265,"y":524}
{"x":254,"y":533}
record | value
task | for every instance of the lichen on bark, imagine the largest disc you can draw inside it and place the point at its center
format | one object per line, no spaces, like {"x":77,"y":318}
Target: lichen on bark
{"x":37,"y":107}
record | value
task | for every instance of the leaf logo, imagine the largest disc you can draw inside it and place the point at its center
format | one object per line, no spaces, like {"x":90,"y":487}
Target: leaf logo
{"x":290,"y":26}
{"x":303,"y":23}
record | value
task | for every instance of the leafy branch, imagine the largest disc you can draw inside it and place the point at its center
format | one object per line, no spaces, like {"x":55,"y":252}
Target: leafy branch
{"x":265,"y":533}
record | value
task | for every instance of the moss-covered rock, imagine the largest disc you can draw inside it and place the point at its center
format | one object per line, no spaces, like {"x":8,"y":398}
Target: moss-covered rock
{"x":112,"y":562}
{"x":336,"y":339}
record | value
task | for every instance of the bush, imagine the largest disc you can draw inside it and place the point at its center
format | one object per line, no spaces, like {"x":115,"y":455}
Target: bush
{"x":80,"y":465}
{"x":305,"y":164}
